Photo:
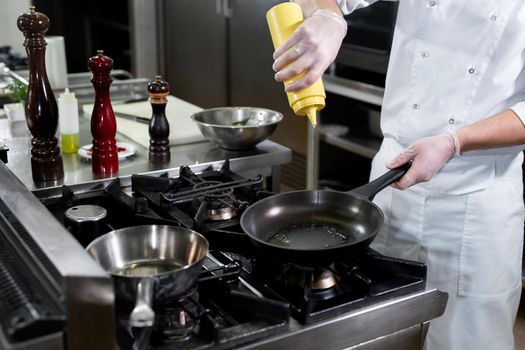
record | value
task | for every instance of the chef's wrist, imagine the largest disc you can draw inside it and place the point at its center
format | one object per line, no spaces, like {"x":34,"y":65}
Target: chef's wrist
{"x":454,"y":138}
{"x":310,"y":6}
{"x":329,"y":15}
{"x":463,"y":139}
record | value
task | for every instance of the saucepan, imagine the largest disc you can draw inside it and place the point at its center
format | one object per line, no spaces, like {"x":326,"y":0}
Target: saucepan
{"x":316,"y":228}
{"x":150,"y":263}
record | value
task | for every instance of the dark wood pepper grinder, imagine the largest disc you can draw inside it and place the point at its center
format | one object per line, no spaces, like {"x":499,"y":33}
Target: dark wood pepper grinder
{"x":104,"y":158}
{"x":40,"y":104}
{"x":159,"y":128}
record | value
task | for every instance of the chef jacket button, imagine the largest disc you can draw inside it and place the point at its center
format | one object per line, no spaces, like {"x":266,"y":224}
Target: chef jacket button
{"x":471,"y":70}
{"x":432,"y":3}
{"x":415,"y":106}
{"x":493,"y":17}
{"x":451,"y":121}
{"x":425,"y":54}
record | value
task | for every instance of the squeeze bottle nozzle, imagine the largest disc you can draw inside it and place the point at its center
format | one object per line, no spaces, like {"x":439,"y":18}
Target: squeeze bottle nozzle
{"x":283,"y":20}
{"x":311,"y":114}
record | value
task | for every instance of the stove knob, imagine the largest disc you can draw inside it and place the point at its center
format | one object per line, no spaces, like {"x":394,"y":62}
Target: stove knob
{"x":85,"y":222}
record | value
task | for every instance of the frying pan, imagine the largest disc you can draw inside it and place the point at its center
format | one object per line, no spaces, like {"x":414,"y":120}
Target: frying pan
{"x":150,"y":263}
{"x":316,"y":228}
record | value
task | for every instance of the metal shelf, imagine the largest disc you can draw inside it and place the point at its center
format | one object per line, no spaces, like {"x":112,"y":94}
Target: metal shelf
{"x":353,"y":89}
{"x":123,"y":88}
{"x":363,"y":146}
{"x":366,"y":145}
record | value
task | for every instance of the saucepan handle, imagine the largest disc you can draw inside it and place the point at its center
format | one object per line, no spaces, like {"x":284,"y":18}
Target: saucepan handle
{"x":373,"y":187}
{"x":143,"y":314}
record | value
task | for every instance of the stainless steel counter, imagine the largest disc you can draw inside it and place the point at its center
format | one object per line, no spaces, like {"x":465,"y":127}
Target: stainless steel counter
{"x":380,"y":326}
{"x":265,"y":159}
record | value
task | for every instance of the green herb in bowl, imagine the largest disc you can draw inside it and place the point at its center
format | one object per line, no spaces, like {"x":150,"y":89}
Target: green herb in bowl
{"x":18,"y":91}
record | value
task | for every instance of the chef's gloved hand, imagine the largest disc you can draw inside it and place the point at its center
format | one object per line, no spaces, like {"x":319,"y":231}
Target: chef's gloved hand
{"x":311,"y":48}
{"x":428,"y":156}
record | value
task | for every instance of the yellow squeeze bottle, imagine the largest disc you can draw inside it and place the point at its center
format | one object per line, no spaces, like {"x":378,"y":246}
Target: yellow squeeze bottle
{"x":283,"y":20}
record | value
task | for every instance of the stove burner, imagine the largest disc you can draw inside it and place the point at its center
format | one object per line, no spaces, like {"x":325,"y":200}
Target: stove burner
{"x":174,"y":324}
{"x":221,"y":214}
{"x":317,"y":278}
{"x":212,"y":200}
{"x":216,"y":204}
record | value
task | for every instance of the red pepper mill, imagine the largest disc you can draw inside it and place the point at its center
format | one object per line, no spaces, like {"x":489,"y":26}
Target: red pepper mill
{"x":104,"y":158}
{"x":159,"y":128}
{"x":40,"y":104}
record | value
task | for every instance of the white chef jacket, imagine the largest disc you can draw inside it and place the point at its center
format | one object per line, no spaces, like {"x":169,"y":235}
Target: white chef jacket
{"x":452,"y":63}
{"x":482,"y":55}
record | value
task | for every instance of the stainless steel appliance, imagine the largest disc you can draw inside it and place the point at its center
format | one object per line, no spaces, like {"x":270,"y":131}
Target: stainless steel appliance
{"x":246,"y":300}
{"x":49,"y":286}
{"x":349,"y":125}
{"x":367,"y":45}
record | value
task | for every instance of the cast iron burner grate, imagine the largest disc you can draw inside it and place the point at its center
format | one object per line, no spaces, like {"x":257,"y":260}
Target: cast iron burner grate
{"x":217,"y":314}
{"x":213,"y":200}
{"x":361,"y":280}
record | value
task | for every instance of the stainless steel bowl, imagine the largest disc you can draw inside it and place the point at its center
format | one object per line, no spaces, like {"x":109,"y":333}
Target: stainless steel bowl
{"x":237,"y":128}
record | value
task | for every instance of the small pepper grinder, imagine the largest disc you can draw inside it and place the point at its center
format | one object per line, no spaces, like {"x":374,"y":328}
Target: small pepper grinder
{"x":159,"y":128}
{"x":104,"y":158}
{"x":40,"y":104}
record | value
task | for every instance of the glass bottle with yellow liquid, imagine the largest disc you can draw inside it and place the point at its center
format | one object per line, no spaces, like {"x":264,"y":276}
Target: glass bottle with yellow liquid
{"x":68,"y":121}
{"x":283,"y":20}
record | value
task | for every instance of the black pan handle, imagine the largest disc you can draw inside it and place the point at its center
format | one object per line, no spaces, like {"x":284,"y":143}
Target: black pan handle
{"x":373,"y":187}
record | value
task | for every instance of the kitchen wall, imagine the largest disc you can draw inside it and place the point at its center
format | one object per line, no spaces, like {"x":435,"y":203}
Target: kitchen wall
{"x":9,"y":33}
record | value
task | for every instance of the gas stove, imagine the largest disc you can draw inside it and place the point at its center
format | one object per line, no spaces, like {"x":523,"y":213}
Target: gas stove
{"x":241,"y":296}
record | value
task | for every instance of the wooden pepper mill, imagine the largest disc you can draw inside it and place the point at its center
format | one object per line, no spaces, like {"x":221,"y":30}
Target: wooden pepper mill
{"x":104,"y":158}
{"x":159,"y":128}
{"x":40,"y":104}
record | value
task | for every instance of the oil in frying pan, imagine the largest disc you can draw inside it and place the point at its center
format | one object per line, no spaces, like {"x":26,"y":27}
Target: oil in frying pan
{"x":145,"y":268}
{"x":312,"y":236}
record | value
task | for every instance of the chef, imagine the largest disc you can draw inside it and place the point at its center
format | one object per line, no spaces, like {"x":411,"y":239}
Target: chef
{"x":454,"y":106}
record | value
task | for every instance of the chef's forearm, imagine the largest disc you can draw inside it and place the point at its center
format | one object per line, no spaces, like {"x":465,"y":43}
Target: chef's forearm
{"x":309,"y":6}
{"x":500,"y":130}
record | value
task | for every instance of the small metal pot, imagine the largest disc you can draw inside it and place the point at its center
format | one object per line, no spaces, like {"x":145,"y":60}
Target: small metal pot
{"x":150,"y":263}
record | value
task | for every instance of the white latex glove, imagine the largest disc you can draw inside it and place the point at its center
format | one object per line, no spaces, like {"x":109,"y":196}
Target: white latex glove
{"x":311,"y":49}
{"x":428,"y":156}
